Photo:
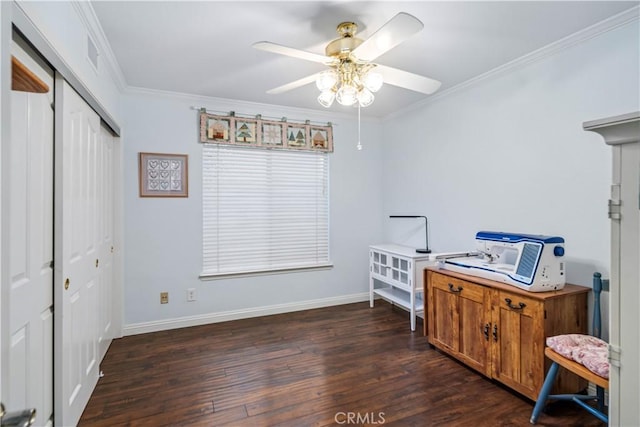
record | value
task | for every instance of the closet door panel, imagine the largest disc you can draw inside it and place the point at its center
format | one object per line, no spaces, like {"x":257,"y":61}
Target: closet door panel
{"x":27,"y":247}
{"x":77,"y":279}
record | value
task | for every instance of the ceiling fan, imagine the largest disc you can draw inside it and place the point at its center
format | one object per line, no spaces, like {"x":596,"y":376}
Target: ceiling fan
{"x":352,"y":76}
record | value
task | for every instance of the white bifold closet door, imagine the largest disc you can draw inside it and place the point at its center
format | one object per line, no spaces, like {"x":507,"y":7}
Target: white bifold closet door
{"x":27,"y":248}
{"x":83,"y":251}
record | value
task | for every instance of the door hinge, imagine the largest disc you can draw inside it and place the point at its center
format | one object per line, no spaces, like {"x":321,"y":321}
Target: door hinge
{"x":614,"y":202}
{"x":614,"y":355}
{"x":614,"y":209}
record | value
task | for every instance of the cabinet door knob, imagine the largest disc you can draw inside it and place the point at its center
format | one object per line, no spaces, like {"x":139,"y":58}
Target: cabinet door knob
{"x":486,"y":329}
{"x":520,"y":305}
{"x":495,"y":332}
{"x":451,"y":288}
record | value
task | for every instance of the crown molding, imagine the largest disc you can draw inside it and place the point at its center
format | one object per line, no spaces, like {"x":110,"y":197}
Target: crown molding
{"x":87,"y":15}
{"x":616,"y":21}
{"x":34,"y":35}
{"x":250,"y":107}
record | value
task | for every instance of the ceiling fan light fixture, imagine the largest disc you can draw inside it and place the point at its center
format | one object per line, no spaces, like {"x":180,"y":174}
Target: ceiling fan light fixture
{"x":372,"y":81}
{"x":350,"y":76}
{"x":365,"y":97}
{"x":347,"y":95}
{"x":326,"y":98}
{"x":326,"y":80}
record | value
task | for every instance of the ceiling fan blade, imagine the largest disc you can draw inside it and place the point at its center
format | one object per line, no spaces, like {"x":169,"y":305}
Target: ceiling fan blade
{"x":395,"y":31}
{"x":294,"y":84}
{"x":408,"y":80}
{"x":295,"y":53}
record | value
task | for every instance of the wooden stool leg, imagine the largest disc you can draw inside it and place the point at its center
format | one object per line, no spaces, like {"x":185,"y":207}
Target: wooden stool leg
{"x":544,"y":392}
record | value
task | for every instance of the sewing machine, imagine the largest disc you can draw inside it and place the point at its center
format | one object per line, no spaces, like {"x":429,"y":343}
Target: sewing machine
{"x":531,"y":262}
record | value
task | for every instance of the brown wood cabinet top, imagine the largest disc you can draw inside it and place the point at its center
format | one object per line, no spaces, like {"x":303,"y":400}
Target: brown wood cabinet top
{"x":568,"y":288}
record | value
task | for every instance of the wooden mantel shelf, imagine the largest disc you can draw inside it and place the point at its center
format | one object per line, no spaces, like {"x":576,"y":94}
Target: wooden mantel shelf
{"x":24,"y":80}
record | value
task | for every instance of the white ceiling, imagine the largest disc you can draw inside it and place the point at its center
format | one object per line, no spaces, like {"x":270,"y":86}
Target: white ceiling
{"x":204,"y":47}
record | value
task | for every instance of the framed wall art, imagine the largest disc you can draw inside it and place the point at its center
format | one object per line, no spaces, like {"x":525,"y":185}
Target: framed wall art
{"x":163,"y":175}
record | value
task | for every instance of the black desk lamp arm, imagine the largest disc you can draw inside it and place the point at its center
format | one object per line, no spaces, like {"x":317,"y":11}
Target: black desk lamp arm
{"x":426,"y":230}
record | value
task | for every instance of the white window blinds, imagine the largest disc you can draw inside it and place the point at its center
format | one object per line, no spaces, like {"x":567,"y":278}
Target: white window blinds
{"x":264,"y":210}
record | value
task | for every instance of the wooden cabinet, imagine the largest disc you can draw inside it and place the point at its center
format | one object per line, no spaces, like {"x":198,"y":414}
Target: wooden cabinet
{"x":518,"y":336}
{"x":457,"y":312}
{"x":500,"y":330}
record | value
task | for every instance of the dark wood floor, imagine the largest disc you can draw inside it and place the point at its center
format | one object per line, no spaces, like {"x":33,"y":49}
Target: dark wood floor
{"x":343,"y":365}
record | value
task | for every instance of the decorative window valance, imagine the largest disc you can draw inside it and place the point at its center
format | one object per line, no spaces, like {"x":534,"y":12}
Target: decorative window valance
{"x":270,"y":134}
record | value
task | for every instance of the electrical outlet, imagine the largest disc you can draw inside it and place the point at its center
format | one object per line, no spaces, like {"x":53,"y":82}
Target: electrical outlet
{"x":164,"y":297}
{"x":191,"y":294}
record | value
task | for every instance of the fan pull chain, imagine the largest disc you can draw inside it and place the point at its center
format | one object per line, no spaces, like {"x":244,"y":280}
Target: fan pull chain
{"x":359,"y":146}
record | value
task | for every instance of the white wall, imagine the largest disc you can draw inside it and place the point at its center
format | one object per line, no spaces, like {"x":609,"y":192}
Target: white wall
{"x":67,"y":27}
{"x":509,"y":154}
{"x":163,"y":236}
{"x":506,"y":154}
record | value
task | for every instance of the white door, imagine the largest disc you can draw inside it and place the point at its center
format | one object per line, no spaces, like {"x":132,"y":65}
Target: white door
{"x":105,"y":240}
{"x":77,"y":250}
{"x":27,"y":239}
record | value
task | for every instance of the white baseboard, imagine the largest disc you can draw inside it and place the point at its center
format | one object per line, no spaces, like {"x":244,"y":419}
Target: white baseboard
{"x":591,"y":390}
{"x":204,"y":319}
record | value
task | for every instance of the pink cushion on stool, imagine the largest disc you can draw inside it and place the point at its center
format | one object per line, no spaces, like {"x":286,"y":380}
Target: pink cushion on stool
{"x":589,"y":351}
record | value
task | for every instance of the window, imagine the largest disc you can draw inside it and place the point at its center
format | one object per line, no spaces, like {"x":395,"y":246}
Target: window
{"x":264,"y":210}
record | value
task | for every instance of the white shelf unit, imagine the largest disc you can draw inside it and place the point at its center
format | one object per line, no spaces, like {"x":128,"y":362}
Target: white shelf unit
{"x":622,"y":133}
{"x":396,"y":275}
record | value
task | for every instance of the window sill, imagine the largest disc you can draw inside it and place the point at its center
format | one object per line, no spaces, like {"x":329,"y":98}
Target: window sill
{"x":218,"y":276}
